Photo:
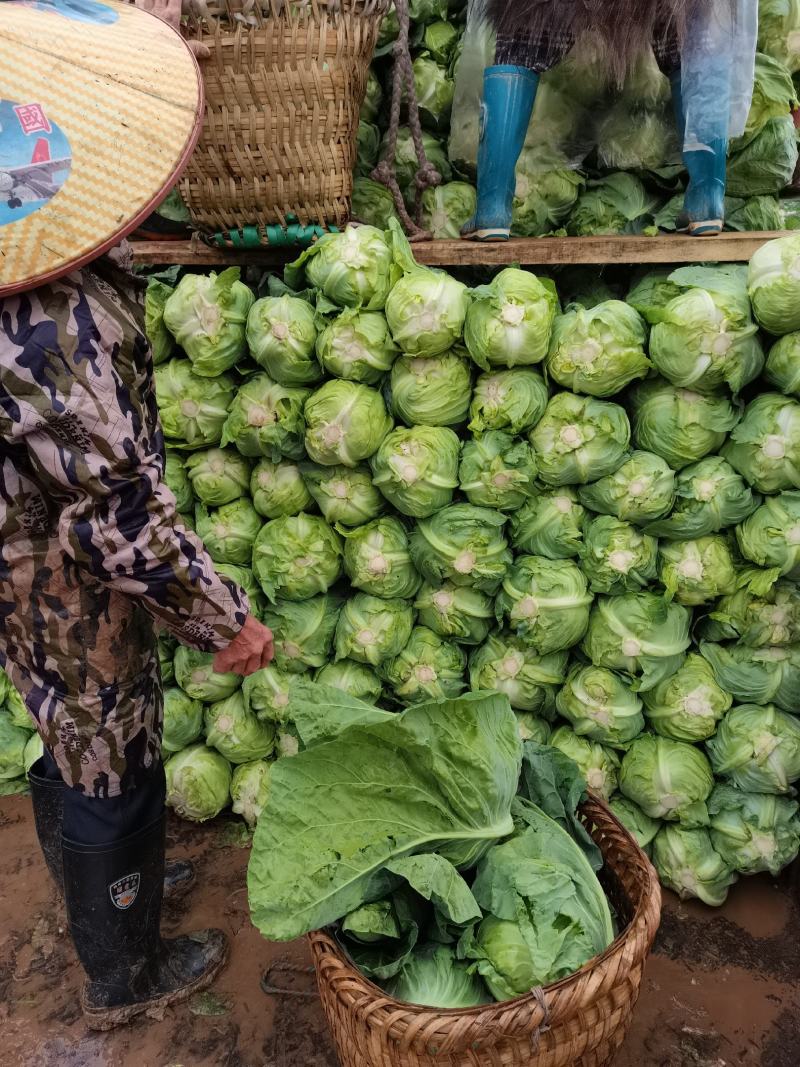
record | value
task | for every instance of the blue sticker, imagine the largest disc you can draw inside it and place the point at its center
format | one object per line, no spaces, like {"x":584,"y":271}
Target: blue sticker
{"x":77,"y":10}
{"x":35,"y":160}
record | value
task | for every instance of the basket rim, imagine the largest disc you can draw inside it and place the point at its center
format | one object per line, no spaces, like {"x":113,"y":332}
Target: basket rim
{"x":646,"y":916}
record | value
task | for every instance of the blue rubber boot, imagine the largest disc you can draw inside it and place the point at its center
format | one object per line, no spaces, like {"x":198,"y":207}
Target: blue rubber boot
{"x":509,"y":94}
{"x":703,"y":212}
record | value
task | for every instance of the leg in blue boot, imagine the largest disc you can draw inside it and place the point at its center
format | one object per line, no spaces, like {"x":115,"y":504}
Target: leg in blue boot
{"x":508,"y":98}
{"x":703,"y":212}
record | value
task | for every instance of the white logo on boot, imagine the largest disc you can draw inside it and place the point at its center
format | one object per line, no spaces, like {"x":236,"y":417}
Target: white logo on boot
{"x":124,"y":891}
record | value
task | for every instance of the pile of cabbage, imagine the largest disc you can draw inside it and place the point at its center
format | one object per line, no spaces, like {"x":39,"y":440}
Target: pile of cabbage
{"x":20,"y":745}
{"x":455,"y":874}
{"x":592,"y":508}
{"x":597,"y":159}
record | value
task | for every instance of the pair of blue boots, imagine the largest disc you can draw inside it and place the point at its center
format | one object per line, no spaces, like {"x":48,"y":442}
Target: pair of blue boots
{"x":509,"y":96}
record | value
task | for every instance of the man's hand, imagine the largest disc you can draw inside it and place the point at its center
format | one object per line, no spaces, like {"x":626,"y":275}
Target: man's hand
{"x":248,"y":652}
{"x":170,"y":12}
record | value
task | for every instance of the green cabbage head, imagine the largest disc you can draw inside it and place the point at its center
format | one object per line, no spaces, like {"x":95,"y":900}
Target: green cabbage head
{"x":709,"y":497}
{"x":550,"y":524}
{"x":506,"y":664}
{"x":416,"y":469}
{"x":497,"y":472}
{"x":600,"y":705}
{"x":250,"y":790}
{"x":235,"y":733}
{"x":643,"y":488}
{"x":774,"y":285}
{"x":431,"y":391}
{"x":688,"y":705}
{"x":546,"y":602}
{"x":510,"y":400}
{"x":345,"y":423}
{"x":357,"y":345}
{"x":668,"y":779}
{"x":183,"y":720}
{"x":765,"y":447}
{"x":218,"y":476}
{"x":372,"y":630}
{"x":198,"y":783}
{"x":688,"y":863}
{"x":579,"y":439}
{"x":377,"y":559}
{"x":510,"y":321}
{"x":455,"y":611}
{"x":757,"y":675}
{"x":598,"y":764}
{"x":754,"y":831}
{"x":303,"y":631}
{"x":757,"y":749}
{"x":639,"y":634}
{"x":296,"y":557}
{"x":428,"y":668}
{"x":697,"y":572}
{"x":354,"y":678}
{"x":616,"y":557}
{"x":462,"y":544}
{"x":282,"y":335}
{"x":679,"y":425}
{"x":770,"y":537}
{"x":278,"y":489}
{"x":344,"y":495}
{"x":783,"y":365}
{"x":195,"y":674}
{"x":598,"y":350}
{"x":192,"y":409}
{"x":206,"y":315}
{"x":230,"y":531}
{"x":353,"y":269}
{"x":266,"y":419}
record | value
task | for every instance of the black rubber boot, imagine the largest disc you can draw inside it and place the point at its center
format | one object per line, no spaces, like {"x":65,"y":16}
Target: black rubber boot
{"x":47,"y":795}
{"x":113,"y":895}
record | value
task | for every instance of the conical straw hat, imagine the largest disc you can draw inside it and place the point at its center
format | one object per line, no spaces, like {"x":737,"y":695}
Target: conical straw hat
{"x":100,"y":108}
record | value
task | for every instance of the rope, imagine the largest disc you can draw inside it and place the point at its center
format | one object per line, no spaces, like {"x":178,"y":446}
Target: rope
{"x":427,"y":176}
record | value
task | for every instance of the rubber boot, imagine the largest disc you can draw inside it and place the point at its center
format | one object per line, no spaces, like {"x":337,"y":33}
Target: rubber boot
{"x":113,"y":895}
{"x":703,"y":212}
{"x":509,"y":94}
{"x":47,"y":795}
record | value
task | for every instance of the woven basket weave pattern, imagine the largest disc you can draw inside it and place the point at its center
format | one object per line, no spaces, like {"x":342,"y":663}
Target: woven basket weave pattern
{"x":581,"y":1020}
{"x":283,"y":98}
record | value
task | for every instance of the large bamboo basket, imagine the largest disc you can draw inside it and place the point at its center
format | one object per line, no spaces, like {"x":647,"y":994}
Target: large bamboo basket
{"x":283,"y":97}
{"x":581,"y":1020}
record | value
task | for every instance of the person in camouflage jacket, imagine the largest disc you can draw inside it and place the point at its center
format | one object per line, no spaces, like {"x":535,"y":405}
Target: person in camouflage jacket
{"x":92,"y":555}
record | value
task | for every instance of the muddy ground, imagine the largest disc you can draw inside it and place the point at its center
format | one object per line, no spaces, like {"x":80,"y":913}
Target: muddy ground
{"x":722,"y":987}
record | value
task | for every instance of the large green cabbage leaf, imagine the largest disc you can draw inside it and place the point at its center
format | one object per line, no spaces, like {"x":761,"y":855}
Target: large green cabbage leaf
{"x":438,"y":777}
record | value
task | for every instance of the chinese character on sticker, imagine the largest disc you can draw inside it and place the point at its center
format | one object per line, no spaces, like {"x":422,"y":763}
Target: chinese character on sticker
{"x":32,"y":119}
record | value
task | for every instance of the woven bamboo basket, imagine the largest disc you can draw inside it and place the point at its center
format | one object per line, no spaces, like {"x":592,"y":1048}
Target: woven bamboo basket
{"x":285,"y":82}
{"x":581,"y":1020}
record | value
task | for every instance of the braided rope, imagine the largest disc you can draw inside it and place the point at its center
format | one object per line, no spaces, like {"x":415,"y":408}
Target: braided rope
{"x":427,"y":176}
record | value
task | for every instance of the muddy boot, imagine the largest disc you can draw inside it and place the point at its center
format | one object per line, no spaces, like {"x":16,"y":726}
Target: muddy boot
{"x":47,"y":795}
{"x":113,"y":895}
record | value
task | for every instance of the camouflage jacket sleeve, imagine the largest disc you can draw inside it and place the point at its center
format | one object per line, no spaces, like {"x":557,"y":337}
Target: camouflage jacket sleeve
{"x":77,"y":393}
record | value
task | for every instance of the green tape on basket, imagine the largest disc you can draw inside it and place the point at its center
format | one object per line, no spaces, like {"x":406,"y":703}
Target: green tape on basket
{"x":292,"y":236}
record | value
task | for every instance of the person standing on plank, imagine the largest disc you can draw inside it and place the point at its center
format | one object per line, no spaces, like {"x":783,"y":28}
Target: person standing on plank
{"x":92,"y":552}
{"x":706,"y":48}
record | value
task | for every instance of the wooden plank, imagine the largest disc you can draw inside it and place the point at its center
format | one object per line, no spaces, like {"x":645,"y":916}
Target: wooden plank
{"x":540,"y":251}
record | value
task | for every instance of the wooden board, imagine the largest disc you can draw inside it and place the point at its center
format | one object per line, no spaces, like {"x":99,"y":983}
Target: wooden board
{"x":540,"y":251}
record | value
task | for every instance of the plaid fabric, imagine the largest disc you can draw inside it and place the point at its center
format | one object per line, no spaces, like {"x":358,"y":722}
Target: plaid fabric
{"x":539,"y":53}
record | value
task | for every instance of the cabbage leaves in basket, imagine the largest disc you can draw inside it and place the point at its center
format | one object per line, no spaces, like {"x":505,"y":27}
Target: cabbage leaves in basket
{"x":439,"y":777}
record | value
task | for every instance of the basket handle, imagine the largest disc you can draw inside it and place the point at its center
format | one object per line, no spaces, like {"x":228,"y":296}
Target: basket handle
{"x":427,"y":176}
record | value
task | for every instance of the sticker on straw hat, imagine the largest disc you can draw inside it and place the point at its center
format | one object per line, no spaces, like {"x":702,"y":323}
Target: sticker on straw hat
{"x":78,"y":10}
{"x":35,"y":160}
